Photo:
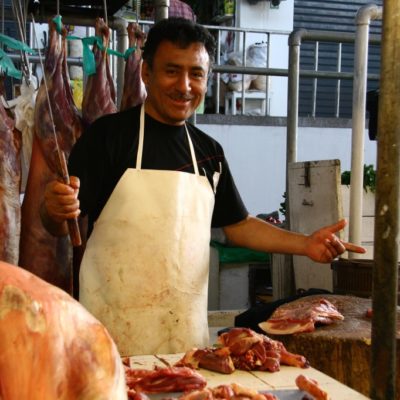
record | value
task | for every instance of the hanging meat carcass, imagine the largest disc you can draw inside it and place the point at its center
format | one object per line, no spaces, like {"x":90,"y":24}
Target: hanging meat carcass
{"x":50,"y":346}
{"x":41,"y":253}
{"x":10,"y":181}
{"x":99,"y":92}
{"x":134,"y":91}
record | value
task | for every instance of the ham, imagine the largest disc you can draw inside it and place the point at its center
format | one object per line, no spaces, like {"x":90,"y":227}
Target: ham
{"x":99,"y":93}
{"x":50,"y":346}
{"x":10,"y":180}
{"x":301,"y":315}
{"x":41,"y":253}
{"x":134,"y":92}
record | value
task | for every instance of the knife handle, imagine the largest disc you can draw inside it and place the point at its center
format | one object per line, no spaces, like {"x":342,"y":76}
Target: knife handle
{"x":74,"y":233}
{"x":73,"y":226}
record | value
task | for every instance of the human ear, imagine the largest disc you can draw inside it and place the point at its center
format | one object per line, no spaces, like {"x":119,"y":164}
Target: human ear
{"x":145,"y":72}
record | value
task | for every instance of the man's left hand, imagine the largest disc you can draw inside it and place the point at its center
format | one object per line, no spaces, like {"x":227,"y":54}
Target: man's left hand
{"x":324,"y":246}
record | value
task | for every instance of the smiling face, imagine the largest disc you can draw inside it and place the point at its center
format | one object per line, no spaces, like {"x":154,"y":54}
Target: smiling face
{"x":176,"y":82}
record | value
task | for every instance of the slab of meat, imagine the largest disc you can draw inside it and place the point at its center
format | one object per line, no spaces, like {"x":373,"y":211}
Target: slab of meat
{"x":41,"y":253}
{"x":301,"y":316}
{"x":312,"y":387}
{"x":253,"y":351}
{"x":244,"y":349}
{"x":10,"y":181}
{"x":134,"y":92}
{"x":213,"y":359}
{"x":99,"y":92}
{"x":160,"y":380}
{"x":51,"y":348}
{"x":233,"y":391}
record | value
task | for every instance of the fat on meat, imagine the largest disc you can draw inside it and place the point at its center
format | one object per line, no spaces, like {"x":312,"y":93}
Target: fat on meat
{"x":99,"y":96}
{"x":134,"y":91}
{"x":301,"y":315}
{"x":41,"y":253}
{"x":52,"y":348}
{"x":10,"y":180}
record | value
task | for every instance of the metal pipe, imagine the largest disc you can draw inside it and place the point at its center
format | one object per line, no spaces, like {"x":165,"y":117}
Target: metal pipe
{"x":385,"y":272}
{"x":161,"y":9}
{"x":35,"y":59}
{"x":338,"y":69}
{"x":315,"y":81}
{"x":363,"y":18}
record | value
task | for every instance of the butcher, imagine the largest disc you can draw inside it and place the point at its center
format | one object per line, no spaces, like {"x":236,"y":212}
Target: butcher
{"x":152,"y":186}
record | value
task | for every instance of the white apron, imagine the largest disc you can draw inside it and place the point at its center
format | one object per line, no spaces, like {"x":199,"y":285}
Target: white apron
{"x":144,"y":273}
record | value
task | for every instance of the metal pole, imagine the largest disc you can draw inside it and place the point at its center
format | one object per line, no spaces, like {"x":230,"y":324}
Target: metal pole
{"x":363,"y":18}
{"x":161,"y":9}
{"x":384,"y":299}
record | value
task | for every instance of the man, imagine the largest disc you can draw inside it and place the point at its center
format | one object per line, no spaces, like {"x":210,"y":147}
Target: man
{"x":152,"y":185}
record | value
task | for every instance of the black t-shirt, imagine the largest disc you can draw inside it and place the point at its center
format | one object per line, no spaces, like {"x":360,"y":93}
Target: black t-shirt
{"x":109,"y":146}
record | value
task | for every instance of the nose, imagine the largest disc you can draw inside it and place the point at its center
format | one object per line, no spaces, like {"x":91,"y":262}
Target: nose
{"x":183,"y":83}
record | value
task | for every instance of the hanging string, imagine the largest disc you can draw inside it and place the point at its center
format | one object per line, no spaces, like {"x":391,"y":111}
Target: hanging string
{"x":21,"y":22}
{"x":2,"y":17}
{"x":105,"y":12}
{"x":58,"y":7}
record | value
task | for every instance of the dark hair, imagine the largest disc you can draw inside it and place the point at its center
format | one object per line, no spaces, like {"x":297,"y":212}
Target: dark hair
{"x":181,"y":32}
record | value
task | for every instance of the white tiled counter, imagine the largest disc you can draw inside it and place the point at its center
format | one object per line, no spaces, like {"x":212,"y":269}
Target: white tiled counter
{"x":261,"y":381}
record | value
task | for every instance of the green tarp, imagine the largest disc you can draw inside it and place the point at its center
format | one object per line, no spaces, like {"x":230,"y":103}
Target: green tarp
{"x":228,"y":254}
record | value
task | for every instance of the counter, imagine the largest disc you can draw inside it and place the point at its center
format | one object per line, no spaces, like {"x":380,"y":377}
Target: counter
{"x":258,"y":380}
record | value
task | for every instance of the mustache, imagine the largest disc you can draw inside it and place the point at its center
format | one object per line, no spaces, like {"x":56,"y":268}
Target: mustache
{"x":182,"y":97}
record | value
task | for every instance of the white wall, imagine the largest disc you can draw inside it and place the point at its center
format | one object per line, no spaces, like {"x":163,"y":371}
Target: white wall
{"x":257,"y":157}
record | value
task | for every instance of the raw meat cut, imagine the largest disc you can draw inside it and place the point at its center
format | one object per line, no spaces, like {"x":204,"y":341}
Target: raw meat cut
{"x":244,"y":349}
{"x":312,"y":387}
{"x":10,"y":181}
{"x":301,"y":316}
{"x":99,"y":94}
{"x":253,"y":351}
{"x":134,"y":92}
{"x":160,"y":380}
{"x":51,"y":348}
{"x":213,"y":359}
{"x":233,"y":391}
{"x":41,"y":253}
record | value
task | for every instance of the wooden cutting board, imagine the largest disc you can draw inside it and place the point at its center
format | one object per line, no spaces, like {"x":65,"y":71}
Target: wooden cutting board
{"x":341,"y":350}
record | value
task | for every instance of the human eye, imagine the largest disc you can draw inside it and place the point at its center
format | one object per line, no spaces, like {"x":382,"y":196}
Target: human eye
{"x":198,"y":74}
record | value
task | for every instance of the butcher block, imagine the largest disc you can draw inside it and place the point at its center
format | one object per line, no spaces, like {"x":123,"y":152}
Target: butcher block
{"x":281,"y":383}
{"x":341,"y":350}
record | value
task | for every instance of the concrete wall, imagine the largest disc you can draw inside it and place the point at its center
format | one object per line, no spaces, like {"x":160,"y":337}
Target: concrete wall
{"x":257,"y":157}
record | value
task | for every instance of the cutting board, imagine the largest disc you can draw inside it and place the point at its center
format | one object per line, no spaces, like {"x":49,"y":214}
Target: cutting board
{"x":341,"y":350}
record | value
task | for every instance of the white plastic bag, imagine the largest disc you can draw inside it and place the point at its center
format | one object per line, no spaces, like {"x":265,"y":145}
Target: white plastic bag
{"x":257,"y":56}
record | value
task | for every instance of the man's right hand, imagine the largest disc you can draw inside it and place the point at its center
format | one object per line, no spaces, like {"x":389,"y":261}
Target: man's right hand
{"x":60,"y":203}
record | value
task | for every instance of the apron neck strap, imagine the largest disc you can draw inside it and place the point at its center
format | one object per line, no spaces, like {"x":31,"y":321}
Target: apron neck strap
{"x":141,"y":139}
